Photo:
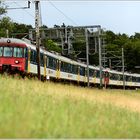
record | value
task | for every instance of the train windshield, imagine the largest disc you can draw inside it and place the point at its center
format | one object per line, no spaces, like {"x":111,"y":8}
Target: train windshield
{"x":18,"y":52}
{"x":7,"y":52}
{"x":1,"y":51}
{"x":12,"y":52}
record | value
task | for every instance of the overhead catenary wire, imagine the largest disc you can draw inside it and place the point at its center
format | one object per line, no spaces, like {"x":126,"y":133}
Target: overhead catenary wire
{"x":40,"y":15}
{"x":62,"y":12}
{"x":24,"y":9}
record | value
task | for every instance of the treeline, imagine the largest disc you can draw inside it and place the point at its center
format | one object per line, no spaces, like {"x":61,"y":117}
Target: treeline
{"x":131,"y":45}
{"x":114,"y":43}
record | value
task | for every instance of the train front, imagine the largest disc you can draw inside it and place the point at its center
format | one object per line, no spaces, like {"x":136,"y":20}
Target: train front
{"x":12,"y":55}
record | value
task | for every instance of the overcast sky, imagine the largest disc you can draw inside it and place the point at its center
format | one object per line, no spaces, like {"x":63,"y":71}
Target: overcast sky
{"x":118,"y":16}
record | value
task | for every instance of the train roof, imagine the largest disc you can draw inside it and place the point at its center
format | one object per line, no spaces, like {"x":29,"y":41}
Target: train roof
{"x":125,"y":73}
{"x":13,"y":41}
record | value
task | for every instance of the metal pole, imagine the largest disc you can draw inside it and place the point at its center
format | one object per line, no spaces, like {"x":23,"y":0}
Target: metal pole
{"x":87,"y":55}
{"x":123,"y":68}
{"x":7,"y":33}
{"x":66,"y":39}
{"x":95,"y":39}
{"x":110,"y":63}
{"x":37,"y":36}
{"x":100,"y":56}
{"x":14,"y":8}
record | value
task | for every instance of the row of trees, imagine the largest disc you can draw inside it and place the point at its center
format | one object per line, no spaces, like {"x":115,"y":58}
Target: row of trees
{"x":114,"y":42}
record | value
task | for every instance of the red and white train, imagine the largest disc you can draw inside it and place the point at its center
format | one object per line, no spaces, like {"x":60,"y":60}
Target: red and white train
{"x":20,"y":56}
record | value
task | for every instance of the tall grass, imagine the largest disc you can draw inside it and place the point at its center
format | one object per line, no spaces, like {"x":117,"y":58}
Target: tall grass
{"x":32,"y":109}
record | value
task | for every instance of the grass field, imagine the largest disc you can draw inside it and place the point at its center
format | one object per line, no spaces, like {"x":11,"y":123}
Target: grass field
{"x":32,"y":109}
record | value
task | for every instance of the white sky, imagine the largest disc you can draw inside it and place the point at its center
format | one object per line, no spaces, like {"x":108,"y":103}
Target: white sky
{"x":118,"y":16}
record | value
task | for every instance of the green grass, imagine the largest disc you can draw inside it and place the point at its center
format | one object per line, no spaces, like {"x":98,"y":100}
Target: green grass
{"x":32,"y":109}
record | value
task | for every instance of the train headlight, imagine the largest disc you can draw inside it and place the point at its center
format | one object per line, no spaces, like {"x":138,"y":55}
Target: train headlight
{"x":8,"y":41}
{"x":16,"y":61}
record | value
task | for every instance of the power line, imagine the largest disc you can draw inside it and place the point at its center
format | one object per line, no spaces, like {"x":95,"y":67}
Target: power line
{"x":62,"y":13}
{"x":24,"y":9}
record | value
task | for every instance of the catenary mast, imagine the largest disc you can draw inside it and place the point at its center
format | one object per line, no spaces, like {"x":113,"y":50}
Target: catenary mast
{"x":37,"y":21}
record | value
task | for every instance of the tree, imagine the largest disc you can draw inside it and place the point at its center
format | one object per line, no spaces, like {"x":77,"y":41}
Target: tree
{"x":110,"y":37}
{"x":5,"y":24}
{"x":2,"y":9}
{"x":20,"y":30}
{"x":51,"y":46}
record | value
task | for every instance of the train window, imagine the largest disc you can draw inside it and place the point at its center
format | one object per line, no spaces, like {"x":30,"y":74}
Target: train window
{"x":114,"y":76}
{"x":42,"y":59}
{"x":94,"y":74}
{"x":110,"y":75}
{"x":74,"y":69}
{"x":25,"y":53}
{"x":8,"y":51}
{"x":128,"y":78}
{"x":138,"y":79}
{"x":33,"y":57}
{"x":133,"y":79}
{"x":52,"y":63}
{"x":82,"y":71}
{"x":18,"y":52}
{"x":97,"y":73}
{"x":1,"y":51}
{"x":121,"y":77}
{"x":66,"y":67}
{"x":62,"y":66}
{"x":57,"y":64}
{"x":91,"y":72}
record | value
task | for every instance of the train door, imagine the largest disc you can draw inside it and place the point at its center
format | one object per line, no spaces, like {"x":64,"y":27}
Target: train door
{"x":78,"y":76}
{"x":106,"y":78}
{"x":27,"y":53}
{"x":45,"y":67}
{"x":58,"y":64}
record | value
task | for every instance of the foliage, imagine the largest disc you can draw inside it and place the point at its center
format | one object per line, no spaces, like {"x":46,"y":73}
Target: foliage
{"x":132,"y":53}
{"x":20,"y":30}
{"x":5,"y":24}
{"x":110,"y":37}
{"x":2,"y":9}
{"x":4,"y":21}
{"x":52,"y":46}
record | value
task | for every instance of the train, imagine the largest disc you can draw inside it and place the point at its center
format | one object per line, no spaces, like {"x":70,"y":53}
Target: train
{"x":19,"y":55}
